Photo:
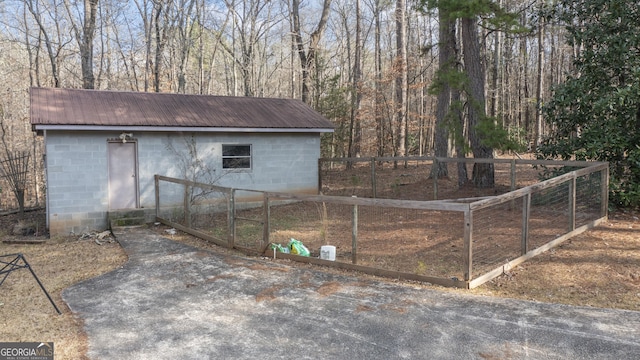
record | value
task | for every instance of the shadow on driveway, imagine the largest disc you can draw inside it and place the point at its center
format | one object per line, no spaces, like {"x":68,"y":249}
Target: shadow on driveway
{"x":172,"y":301}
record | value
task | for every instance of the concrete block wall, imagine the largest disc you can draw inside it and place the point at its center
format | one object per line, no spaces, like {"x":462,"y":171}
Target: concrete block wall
{"x":76,"y":173}
{"x":280,"y":162}
{"x":77,"y":179}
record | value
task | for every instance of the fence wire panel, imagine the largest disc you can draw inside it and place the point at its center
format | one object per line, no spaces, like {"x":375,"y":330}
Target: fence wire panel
{"x":199,"y":208}
{"x":502,"y":177}
{"x":403,"y":180}
{"x":497,"y":235}
{"x":458,"y":182}
{"x":249,"y":219}
{"x":171,"y":202}
{"x":208,"y":212}
{"x":346,"y":178}
{"x":410,"y":178}
{"x":549,"y":216}
{"x":414,"y":241}
{"x":421,"y":238}
{"x":527,"y":174}
{"x":423,"y":242}
{"x":313,"y":223}
{"x":589,"y":198}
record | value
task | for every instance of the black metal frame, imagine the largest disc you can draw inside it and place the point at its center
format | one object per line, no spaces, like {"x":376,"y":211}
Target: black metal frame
{"x":13,"y":265}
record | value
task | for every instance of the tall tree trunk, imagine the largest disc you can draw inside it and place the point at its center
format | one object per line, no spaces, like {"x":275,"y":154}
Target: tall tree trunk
{"x":34,"y":59}
{"x":483,"y":174}
{"x":523,"y":90}
{"x":85,"y":38}
{"x":356,"y":95}
{"x":380,"y":143}
{"x":44,"y":35}
{"x":461,"y":152}
{"x":495,"y":71}
{"x":86,"y":48}
{"x":308,"y":57}
{"x":446,"y":63}
{"x":146,"y":10}
{"x":401,"y":78}
{"x":160,"y":42}
{"x":185,"y":31}
{"x":540,"y":81}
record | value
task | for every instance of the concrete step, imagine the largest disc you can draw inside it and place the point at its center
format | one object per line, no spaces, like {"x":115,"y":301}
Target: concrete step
{"x":126,"y":217}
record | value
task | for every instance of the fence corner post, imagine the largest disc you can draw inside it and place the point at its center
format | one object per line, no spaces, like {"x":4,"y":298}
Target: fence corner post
{"x":354,"y":233}
{"x":604,"y":192}
{"x":373,"y":177}
{"x":435,"y":172}
{"x":156,"y":181}
{"x":266,"y":228}
{"x":572,"y":203}
{"x":187,"y":205}
{"x":526,"y":215}
{"x":513,"y":174}
{"x":467,"y":261}
{"x":320,"y":175}
{"x":231,"y":218}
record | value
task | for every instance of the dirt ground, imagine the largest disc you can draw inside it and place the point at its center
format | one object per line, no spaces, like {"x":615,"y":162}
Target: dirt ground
{"x":25,"y":312}
{"x":598,"y":268}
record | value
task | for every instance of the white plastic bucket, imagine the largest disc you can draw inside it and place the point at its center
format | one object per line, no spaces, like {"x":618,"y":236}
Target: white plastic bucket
{"x":328,"y":252}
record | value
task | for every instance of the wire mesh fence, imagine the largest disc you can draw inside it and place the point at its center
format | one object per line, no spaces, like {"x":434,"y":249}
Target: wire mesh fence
{"x":464,"y":241}
{"x":496,"y":235}
{"x":248,"y":218}
{"x":200,"y":208}
{"x":410,"y":178}
{"x":516,"y":226}
{"x":397,"y":236}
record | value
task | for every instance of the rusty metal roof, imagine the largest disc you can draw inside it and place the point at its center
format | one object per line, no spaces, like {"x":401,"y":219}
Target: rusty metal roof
{"x":69,"y":109}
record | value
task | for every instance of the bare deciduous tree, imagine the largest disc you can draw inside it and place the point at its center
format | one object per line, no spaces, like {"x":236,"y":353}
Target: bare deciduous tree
{"x":308,"y":56}
{"x":85,"y":37}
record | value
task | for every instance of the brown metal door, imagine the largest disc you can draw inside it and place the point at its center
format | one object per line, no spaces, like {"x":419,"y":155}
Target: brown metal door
{"x":123,"y":175}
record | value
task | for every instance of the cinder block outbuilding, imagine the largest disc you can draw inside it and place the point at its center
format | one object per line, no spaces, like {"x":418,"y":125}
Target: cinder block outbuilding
{"x":103,"y":148}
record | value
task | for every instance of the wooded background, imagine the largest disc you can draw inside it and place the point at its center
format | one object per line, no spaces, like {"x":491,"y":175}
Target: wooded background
{"x":388,"y":74}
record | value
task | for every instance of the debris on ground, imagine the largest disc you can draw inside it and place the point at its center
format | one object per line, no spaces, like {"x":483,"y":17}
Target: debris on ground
{"x":24,"y":228}
{"x":100,"y":237}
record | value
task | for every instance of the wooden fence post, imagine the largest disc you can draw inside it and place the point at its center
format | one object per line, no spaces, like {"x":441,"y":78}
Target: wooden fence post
{"x":354,"y":234}
{"x":231,"y":218}
{"x":319,"y":175}
{"x":187,"y":206}
{"x":572,"y":204}
{"x":156,"y":181}
{"x":467,"y":261}
{"x":604,"y":191}
{"x":513,"y":174}
{"x":526,"y":213}
{"x":512,"y":177}
{"x":266,"y":228}
{"x":373,"y":177}
{"x":434,"y":175}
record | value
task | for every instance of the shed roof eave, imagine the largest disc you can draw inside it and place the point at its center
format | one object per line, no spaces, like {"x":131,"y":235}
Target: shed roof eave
{"x":40,"y":128}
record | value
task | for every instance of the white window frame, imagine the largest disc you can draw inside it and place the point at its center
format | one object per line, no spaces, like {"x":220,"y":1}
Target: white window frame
{"x":230,"y":158}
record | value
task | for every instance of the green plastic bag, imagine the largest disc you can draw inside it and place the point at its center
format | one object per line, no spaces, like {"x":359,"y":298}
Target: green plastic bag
{"x":297,"y":248}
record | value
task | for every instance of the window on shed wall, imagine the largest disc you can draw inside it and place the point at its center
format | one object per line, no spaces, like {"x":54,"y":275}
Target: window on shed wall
{"x":236,"y":156}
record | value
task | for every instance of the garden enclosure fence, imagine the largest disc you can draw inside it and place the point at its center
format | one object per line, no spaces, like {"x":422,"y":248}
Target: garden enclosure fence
{"x":424,"y":229}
